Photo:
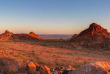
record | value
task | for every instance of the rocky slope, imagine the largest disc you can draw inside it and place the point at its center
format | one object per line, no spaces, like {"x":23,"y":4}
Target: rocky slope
{"x":95,"y":37}
{"x":34,"y":35}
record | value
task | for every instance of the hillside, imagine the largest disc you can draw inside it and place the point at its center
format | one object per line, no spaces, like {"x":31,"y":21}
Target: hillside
{"x":94,"y":37}
{"x":10,"y":36}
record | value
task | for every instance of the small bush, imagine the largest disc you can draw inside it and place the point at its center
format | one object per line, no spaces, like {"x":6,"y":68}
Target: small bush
{"x":33,"y":60}
{"x":76,"y":65}
{"x":42,"y":62}
{"x":85,"y":62}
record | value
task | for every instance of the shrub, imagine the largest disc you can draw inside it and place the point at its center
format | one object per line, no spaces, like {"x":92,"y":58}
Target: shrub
{"x":85,"y":62}
{"x":2,"y":63}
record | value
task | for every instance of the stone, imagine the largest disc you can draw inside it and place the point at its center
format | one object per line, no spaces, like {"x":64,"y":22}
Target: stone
{"x":66,"y":71}
{"x":41,"y":69}
{"x":47,"y":70}
{"x":54,"y":72}
{"x":44,"y":70}
{"x":93,"y":68}
{"x":11,"y":68}
{"x":31,"y":67}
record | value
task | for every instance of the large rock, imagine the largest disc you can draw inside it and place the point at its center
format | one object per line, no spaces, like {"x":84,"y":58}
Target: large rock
{"x":41,"y":69}
{"x":44,"y":70}
{"x":66,"y":71}
{"x":93,"y":68}
{"x":54,"y":72}
{"x":47,"y":70}
{"x":9,"y":69}
{"x":31,"y":67}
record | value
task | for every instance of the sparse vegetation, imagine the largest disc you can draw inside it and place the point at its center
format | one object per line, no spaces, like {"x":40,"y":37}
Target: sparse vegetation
{"x":2,"y":63}
{"x":52,"y":55}
{"x":33,"y":60}
{"x":76,"y":65}
{"x":57,"y":63}
{"x":78,"y":58}
{"x":85,"y":62}
{"x":38,"y":58}
{"x":33,"y":52}
{"x":42,"y":62}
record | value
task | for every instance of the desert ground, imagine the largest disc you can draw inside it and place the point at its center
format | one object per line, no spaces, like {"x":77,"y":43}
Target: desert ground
{"x":50,"y":55}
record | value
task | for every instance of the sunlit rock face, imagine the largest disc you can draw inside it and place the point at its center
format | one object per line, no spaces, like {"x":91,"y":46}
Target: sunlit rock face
{"x":35,"y":35}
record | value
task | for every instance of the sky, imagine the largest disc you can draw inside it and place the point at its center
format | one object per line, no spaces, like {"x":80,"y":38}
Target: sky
{"x":53,"y":16}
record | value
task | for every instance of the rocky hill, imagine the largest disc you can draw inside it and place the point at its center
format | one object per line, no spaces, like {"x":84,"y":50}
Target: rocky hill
{"x":93,"y":37}
{"x":10,"y":36}
{"x":34,"y":35}
{"x":5,"y":36}
{"x":95,"y":29}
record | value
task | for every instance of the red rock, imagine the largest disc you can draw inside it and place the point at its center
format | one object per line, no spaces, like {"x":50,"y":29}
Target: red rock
{"x":27,"y":37}
{"x":95,"y":29}
{"x":31,"y":67}
{"x":6,"y":35}
{"x":94,"y":37}
{"x":44,"y":70}
{"x":47,"y":70}
{"x":69,"y":67}
{"x":35,"y":35}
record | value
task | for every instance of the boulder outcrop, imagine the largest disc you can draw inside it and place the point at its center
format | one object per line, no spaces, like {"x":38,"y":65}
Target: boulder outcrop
{"x":93,"y":68}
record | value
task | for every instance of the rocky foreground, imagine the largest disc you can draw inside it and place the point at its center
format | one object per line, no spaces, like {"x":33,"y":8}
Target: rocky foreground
{"x":34,"y":68}
{"x":20,"y":58}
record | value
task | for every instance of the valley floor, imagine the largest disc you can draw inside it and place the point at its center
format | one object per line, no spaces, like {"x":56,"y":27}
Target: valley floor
{"x":50,"y":56}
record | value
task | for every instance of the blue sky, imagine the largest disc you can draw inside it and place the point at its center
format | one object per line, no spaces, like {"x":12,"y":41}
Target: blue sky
{"x":53,"y":16}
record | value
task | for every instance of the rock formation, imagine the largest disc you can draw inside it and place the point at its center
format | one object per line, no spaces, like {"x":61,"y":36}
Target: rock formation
{"x":93,"y":68}
{"x":34,"y":35}
{"x":93,"y":37}
{"x":95,"y":29}
{"x":10,"y":36}
{"x":6,"y":35}
{"x":99,"y":67}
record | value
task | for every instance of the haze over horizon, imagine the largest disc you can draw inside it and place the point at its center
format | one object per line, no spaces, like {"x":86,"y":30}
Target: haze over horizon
{"x":53,"y":16}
